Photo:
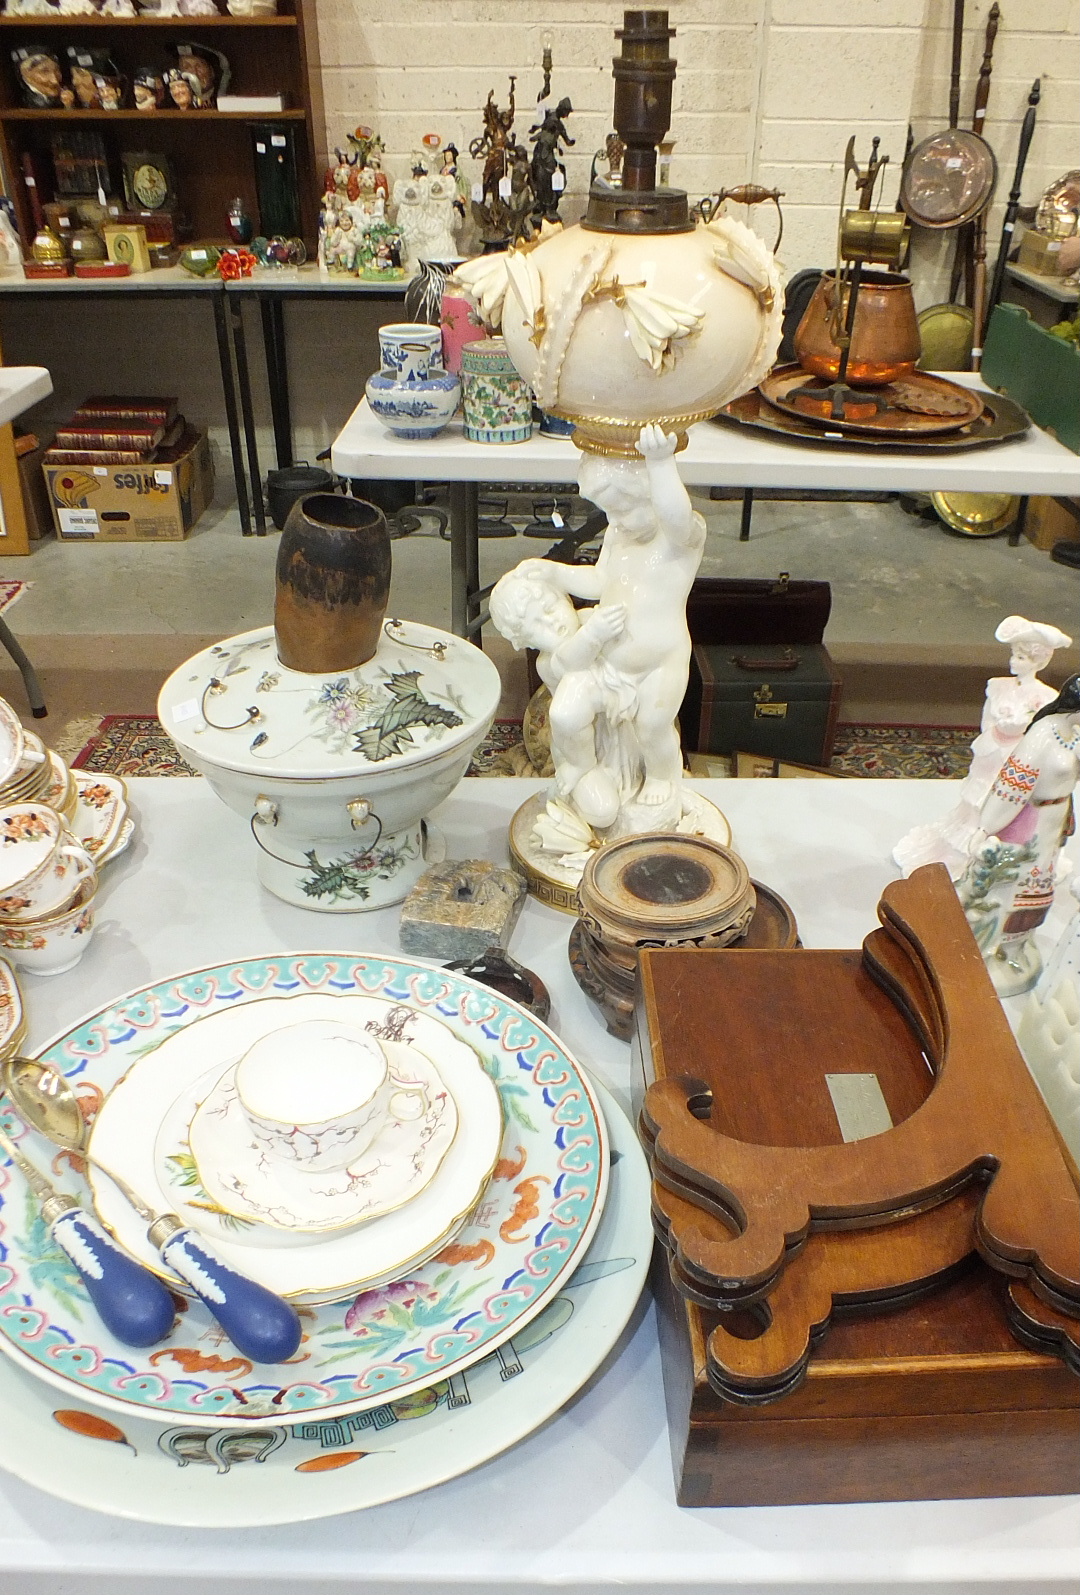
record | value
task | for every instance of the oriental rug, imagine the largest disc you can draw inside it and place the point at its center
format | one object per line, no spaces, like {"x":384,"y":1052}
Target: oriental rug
{"x":131,"y":745}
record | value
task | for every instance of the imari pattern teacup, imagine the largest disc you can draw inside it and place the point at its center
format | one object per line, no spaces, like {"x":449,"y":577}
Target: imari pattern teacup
{"x":42,"y":866}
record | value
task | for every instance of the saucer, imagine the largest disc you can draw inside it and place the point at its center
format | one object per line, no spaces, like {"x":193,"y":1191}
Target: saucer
{"x":245,"y":1180}
{"x":100,"y":812}
{"x":308,"y":1268}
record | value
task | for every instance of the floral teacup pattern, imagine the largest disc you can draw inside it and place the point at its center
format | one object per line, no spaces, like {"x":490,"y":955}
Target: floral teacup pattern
{"x":42,"y":865}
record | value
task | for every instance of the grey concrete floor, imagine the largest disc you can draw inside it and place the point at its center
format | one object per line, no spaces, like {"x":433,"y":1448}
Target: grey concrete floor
{"x":896,"y":581}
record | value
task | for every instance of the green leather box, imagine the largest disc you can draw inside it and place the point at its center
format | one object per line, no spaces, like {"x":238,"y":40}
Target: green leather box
{"x":762,"y":698}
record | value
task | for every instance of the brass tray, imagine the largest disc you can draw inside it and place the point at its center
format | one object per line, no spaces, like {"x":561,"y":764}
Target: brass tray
{"x":1000,"y":421}
{"x":780,"y":385}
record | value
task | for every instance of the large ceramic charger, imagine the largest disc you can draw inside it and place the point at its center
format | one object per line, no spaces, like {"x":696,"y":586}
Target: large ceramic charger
{"x":518,"y":1250}
{"x":948,"y":179}
{"x":313,"y":1468}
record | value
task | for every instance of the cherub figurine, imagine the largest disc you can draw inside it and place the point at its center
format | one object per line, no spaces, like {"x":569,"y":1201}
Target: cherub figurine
{"x":651,"y":552}
{"x":547,"y":139}
{"x":1010,"y":703}
{"x":532,"y":613}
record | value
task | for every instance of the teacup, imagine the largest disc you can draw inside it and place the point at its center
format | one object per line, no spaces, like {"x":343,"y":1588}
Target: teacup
{"x":317,"y":1094}
{"x":52,"y":945}
{"x":42,"y":866}
{"x":11,"y":742}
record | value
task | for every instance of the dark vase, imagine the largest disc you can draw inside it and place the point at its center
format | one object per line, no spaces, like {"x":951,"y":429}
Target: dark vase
{"x":333,"y":583}
{"x":423,"y":296}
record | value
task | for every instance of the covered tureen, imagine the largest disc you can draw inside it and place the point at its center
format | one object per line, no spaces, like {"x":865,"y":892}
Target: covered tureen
{"x":334,"y":771}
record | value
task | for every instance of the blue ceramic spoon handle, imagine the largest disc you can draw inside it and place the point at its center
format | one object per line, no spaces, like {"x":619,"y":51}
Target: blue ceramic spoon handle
{"x":131,"y":1302}
{"x":260,"y":1325}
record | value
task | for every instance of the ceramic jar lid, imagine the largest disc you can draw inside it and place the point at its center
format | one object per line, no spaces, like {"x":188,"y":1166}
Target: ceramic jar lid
{"x":423,"y":692}
{"x":664,"y":888}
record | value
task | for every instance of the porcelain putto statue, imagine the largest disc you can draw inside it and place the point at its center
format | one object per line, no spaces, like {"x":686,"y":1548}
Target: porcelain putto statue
{"x":618,"y":674}
{"x":1010,"y":703}
{"x":1008,"y":886}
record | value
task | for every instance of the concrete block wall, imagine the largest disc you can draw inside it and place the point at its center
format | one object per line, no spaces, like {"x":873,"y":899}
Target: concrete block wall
{"x":767,"y":90}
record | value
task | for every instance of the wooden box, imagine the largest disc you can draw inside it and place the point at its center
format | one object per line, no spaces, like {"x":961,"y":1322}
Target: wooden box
{"x":934,"y":1401}
{"x":931,"y":1397}
{"x":774,"y":700}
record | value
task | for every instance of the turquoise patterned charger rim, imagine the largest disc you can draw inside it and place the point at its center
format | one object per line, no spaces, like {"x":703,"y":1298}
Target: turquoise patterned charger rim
{"x":525,"y":1238}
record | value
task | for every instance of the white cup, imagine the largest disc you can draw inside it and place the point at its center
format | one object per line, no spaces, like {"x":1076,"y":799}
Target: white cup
{"x":42,"y":866}
{"x":54,"y":945}
{"x":317,"y":1094}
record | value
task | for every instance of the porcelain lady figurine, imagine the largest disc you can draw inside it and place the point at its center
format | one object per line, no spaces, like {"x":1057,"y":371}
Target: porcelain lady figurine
{"x":1010,"y":703}
{"x":1008,"y":886}
{"x":1049,"y":1031}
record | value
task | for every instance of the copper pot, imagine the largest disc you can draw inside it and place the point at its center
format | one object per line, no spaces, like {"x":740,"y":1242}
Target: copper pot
{"x":885,"y":342}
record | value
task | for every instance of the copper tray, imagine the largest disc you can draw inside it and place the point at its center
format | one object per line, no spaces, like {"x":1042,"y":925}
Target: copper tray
{"x":779,"y":386}
{"x":1001,"y":420}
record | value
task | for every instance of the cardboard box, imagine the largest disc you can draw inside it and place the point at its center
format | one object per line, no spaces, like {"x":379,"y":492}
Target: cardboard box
{"x":132,"y":503}
{"x":1052,"y":520}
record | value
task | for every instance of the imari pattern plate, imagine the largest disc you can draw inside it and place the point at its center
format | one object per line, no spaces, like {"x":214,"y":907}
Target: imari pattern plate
{"x":518,"y":1250}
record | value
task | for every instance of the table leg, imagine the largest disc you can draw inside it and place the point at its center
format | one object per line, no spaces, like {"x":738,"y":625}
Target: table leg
{"x":221,"y":327}
{"x":1017,"y":530}
{"x":459,"y":581}
{"x":277,"y":369}
{"x":464,"y":559}
{"x":243,"y":376}
{"x":747,"y":512}
{"x":26,"y":670}
{"x":472,"y":556}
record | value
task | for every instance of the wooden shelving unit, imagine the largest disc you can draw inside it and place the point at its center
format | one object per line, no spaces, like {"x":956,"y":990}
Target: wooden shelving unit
{"x":210,"y":151}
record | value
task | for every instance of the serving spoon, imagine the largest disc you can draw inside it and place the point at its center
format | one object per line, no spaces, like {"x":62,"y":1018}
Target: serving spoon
{"x":261,"y":1326}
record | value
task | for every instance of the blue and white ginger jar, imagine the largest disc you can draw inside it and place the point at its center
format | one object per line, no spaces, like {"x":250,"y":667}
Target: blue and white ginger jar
{"x":412,"y":394}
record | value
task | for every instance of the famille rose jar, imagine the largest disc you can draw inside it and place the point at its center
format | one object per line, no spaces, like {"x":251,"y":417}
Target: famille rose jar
{"x":460,"y":325}
{"x":496,"y":401}
{"x":334,"y":771}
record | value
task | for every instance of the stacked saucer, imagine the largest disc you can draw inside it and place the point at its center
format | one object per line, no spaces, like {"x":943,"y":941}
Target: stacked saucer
{"x":324,"y":1158}
{"x":93,"y":807}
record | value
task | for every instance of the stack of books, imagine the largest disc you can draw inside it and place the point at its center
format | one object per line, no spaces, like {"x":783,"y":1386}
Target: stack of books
{"x":111,"y":430}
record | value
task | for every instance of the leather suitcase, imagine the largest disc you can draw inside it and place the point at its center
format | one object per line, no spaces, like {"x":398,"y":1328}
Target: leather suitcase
{"x":780,"y":702}
{"x":724,"y":609}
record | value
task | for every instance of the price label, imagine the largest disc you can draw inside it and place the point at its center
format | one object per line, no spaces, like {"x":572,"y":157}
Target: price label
{"x":163,"y":478}
{"x":100,"y":470}
{"x":557,"y":520}
{"x":478,"y":193}
{"x":197,"y":254}
{"x":558,"y":182}
{"x":188,"y":710}
{"x":260,"y":149}
{"x":954,"y":163}
{"x":78,"y":523}
{"x":278,"y":140}
{"x":504,"y":188}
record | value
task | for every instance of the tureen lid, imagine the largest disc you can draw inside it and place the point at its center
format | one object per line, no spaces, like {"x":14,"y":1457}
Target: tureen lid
{"x":423,"y":692}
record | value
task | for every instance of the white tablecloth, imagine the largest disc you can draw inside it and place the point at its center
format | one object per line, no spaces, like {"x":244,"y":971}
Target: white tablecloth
{"x":586,"y":1504}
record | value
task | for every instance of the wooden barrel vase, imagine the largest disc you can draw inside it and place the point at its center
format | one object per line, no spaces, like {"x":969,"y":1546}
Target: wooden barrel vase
{"x":333,"y":583}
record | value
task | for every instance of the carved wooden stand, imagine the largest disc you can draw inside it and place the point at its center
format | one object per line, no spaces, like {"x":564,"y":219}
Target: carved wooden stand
{"x":777,"y":1231}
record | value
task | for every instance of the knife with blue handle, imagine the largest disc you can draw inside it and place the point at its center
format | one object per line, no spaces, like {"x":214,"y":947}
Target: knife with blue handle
{"x":131,"y":1302}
